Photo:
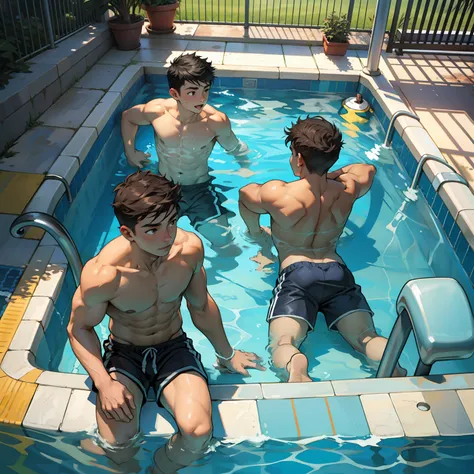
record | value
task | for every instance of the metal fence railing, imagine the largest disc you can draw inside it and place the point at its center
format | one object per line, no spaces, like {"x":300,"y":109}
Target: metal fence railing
{"x":291,"y":13}
{"x":432,"y":25}
{"x":31,"y":26}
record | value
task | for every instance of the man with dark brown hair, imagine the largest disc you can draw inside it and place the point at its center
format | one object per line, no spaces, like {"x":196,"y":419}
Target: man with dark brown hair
{"x":307,"y":218}
{"x":139,"y":280}
{"x":186,"y":130}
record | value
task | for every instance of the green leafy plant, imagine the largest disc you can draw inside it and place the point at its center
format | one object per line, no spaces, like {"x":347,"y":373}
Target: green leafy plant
{"x":9,"y":62}
{"x":32,"y":123}
{"x":125,"y":10}
{"x":157,"y":3}
{"x":336,"y":28}
{"x":6,"y":152}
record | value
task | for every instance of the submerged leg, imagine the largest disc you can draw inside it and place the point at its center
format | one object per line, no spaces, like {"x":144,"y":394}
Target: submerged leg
{"x":117,"y":436}
{"x":359,"y":331}
{"x":286,"y":335}
{"x":187,"y":398}
{"x":217,"y":231}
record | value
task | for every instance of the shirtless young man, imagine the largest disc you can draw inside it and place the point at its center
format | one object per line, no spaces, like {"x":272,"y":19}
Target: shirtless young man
{"x":186,"y":130}
{"x":307,"y":218}
{"x":139,"y":280}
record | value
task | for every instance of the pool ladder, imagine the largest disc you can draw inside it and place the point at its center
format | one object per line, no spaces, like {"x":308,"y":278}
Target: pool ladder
{"x":400,"y":113}
{"x":439,"y":313}
{"x":440,"y":178}
{"x":59,"y":233}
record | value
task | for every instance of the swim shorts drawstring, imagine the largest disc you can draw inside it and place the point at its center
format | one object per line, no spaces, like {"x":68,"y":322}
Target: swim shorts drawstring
{"x":153,"y":352}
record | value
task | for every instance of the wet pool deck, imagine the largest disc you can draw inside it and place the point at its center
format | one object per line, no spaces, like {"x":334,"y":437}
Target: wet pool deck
{"x":438,"y":88}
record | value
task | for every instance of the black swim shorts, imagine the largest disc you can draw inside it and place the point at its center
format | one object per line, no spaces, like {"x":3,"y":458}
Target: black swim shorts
{"x":202,"y":203}
{"x":304,"y":288}
{"x":153,"y":366}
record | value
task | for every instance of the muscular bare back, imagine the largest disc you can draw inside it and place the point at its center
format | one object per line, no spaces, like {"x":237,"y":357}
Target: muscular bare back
{"x":143,"y":304}
{"x":309,"y":220}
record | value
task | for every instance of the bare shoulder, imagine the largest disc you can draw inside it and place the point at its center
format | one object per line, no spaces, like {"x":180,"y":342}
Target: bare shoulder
{"x":217,"y":119}
{"x":156,"y":107}
{"x":345,"y":188}
{"x":190,"y":247}
{"x":274,"y":190}
{"x":99,"y":281}
{"x":343,"y":194}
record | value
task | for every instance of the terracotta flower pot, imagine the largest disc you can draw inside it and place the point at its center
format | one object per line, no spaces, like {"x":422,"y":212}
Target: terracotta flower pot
{"x":334,"y":49}
{"x":127,"y":35}
{"x":161,"y":18}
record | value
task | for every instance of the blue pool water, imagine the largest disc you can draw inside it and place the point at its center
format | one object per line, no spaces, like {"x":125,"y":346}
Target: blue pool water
{"x":31,"y":451}
{"x":9,"y":278}
{"x":387,"y":241}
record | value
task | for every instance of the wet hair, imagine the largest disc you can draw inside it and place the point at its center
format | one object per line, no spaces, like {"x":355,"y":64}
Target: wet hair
{"x":191,"y":68}
{"x":145,"y":194}
{"x":318,"y":141}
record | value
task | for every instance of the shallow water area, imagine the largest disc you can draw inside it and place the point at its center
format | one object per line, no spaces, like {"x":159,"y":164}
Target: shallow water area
{"x":31,"y":451}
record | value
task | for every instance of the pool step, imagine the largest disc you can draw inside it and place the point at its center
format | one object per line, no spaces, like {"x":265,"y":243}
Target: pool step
{"x":439,"y":313}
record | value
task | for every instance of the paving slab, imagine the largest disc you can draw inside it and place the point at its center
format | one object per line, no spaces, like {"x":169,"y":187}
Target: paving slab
{"x":47,"y":408}
{"x":14,"y":252}
{"x":72,"y":108}
{"x":299,"y":57}
{"x":37,"y":149}
{"x":101,"y":76}
{"x":116,"y":57}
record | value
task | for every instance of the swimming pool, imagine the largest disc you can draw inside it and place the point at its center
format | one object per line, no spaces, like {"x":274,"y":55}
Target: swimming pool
{"x":43,"y":452}
{"x":388,"y":240}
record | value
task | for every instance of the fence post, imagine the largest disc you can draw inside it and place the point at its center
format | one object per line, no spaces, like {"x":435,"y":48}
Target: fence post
{"x":247,"y":14}
{"x":376,"y":39}
{"x":49,"y":25}
{"x":350,"y":11}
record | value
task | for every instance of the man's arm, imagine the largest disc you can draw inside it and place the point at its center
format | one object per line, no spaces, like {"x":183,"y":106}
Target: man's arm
{"x":207,"y":318}
{"x":142,"y":114}
{"x":357,"y":178}
{"x":227,"y":139}
{"x":89,"y":306}
{"x":269,"y":198}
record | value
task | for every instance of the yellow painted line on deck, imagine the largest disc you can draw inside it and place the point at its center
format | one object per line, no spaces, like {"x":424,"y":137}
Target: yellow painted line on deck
{"x":16,"y":395}
{"x":15,"y":398}
{"x":11,"y":320}
{"x":330,"y":416}
{"x":34,"y":233}
{"x":295,"y":416}
{"x":32,"y":375}
{"x":17,"y":190}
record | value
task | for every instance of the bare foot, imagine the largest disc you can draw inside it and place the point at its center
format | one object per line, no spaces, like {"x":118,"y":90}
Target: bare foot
{"x":298,"y":369}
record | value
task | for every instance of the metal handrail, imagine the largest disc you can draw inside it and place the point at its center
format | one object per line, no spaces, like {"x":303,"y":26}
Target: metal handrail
{"x":391,"y":125}
{"x":63,"y":180}
{"x":59,"y":233}
{"x":426,"y":157}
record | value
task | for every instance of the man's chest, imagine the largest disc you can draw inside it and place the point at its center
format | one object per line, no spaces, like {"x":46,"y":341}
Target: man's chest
{"x":140,"y":290}
{"x":170,"y":133}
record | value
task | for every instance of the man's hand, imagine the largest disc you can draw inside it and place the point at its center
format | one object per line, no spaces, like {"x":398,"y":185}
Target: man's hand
{"x":138,"y":159}
{"x":263,"y":235}
{"x":240,"y":362}
{"x":116,"y":401}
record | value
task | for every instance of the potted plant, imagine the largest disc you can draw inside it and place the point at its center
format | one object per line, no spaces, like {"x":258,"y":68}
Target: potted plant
{"x":161,"y":14}
{"x":336,"y":31}
{"x":126,"y":25}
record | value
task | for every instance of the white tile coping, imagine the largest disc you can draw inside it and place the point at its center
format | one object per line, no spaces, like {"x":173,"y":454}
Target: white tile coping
{"x":20,"y":359}
{"x":381,"y":415}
